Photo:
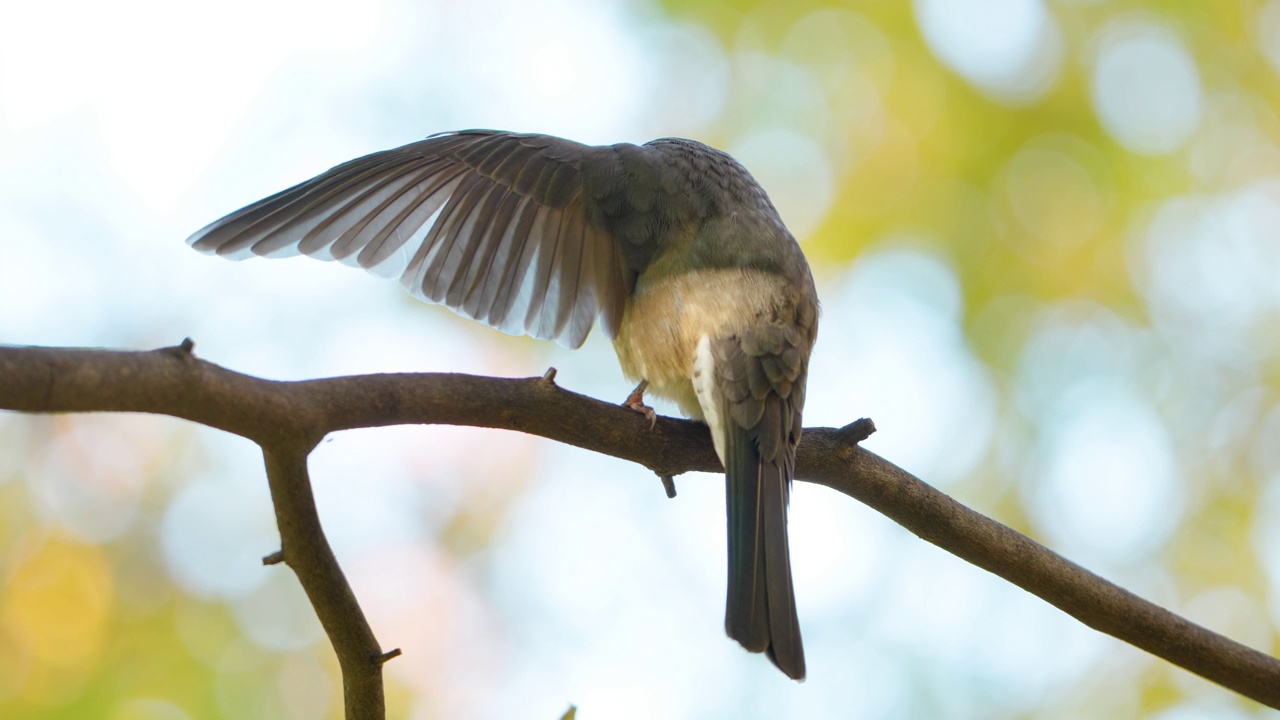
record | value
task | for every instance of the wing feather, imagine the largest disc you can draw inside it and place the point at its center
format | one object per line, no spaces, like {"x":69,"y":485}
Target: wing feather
{"x":382,"y":208}
{"x":567,"y":271}
{"x":475,"y":257}
{"x":539,"y":274}
{"x":521,"y":248}
{"x":235,"y":234}
{"x":452,"y":229}
{"x":494,"y":225}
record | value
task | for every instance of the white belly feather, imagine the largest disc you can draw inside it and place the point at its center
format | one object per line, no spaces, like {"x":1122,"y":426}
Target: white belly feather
{"x":709,"y":396}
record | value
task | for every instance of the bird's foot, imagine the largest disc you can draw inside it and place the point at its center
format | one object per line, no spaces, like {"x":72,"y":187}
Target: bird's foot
{"x":635,"y":402}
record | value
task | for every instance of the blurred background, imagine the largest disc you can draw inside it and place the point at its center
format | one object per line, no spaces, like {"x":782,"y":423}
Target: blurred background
{"x":1046,"y":238}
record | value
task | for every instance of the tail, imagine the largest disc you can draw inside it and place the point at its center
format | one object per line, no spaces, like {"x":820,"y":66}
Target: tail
{"x":755,"y":426}
{"x":761,"y":609}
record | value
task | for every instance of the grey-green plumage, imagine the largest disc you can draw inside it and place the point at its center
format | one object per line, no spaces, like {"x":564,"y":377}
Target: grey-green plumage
{"x":672,"y":245}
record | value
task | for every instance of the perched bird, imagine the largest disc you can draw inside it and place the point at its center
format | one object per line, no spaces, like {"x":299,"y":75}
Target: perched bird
{"x":671,"y":244}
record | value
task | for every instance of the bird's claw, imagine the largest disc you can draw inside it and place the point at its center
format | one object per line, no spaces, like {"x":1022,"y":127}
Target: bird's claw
{"x":635,"y":403}
{"x":645,"y":410}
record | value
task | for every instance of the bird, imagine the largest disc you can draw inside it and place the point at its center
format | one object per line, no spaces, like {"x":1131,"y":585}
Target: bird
{"x":672,"y":246}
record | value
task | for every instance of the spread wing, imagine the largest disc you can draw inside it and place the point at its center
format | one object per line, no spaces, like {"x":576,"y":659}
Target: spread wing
{"x":491,"y":224}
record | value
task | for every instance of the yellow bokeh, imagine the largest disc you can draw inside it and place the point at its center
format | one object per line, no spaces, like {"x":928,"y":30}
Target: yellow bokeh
{"x":55,"y":614}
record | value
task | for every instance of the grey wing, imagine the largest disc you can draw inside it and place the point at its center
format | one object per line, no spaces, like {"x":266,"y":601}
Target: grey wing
{"x":491,"y":224}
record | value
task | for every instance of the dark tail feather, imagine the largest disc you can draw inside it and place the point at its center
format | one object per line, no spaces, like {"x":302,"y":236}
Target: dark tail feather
{"x":746,"y":617}
{"x":785,"y":648}
{"x":761,"y":609}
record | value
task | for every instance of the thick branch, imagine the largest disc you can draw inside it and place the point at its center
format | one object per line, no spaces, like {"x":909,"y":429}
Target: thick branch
{"x":172,"y":382}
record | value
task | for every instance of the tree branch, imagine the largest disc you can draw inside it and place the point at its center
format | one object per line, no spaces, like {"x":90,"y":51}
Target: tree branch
{"x":288,"y":418}
{"x":306,"y":549}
